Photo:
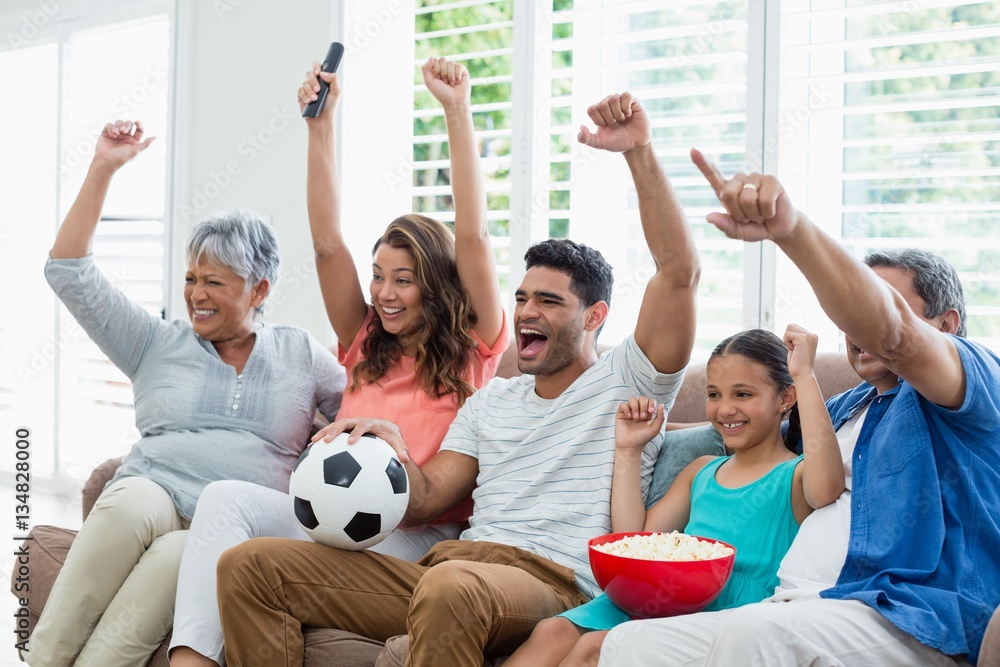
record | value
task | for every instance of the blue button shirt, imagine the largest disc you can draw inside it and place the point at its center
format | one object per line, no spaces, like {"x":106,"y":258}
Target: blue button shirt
{"x":925,"y":515}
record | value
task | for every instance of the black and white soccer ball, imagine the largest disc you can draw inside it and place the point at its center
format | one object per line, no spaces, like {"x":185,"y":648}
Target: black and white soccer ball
{"x":349,"y":496}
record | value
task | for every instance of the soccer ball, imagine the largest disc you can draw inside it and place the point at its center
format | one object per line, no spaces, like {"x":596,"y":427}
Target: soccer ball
{"x":349,"y":496}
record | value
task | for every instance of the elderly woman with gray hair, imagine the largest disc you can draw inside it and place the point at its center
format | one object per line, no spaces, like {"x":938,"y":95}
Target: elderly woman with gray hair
{"x":222,"y":397}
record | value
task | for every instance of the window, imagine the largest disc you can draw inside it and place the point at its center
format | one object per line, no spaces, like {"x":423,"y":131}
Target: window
{"x":28,"y":338}
{"x":479,"y":35}
{"x":879,"y":117}
{"x":55,"y":381}
{"x":687,"y":64}
{"x":541,"y":181}
{"x":892,"y":137}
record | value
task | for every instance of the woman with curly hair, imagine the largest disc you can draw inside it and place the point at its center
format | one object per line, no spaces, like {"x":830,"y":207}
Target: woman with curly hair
{"x":431,"y":334}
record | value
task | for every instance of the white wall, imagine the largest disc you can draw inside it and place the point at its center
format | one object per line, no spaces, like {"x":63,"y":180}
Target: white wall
{"x":241,"y":142}
{"x":239,"y":138}
{"x":377,"y":157}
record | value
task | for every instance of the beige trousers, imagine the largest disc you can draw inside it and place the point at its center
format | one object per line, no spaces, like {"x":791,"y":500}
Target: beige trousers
{"x":461,"y":600}
{"x":113,"y":601}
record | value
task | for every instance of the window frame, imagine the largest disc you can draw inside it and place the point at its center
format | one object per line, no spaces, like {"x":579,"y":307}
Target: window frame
{"x":56,"y":28}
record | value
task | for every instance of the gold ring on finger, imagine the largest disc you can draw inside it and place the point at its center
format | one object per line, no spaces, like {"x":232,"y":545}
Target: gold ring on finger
{"x":749,"y":186}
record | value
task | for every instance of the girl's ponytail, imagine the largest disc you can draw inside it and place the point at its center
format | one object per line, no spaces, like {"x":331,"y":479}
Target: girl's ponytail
{"x":794,"y":432}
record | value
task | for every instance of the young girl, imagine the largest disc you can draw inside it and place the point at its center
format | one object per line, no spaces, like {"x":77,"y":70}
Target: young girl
{"x":431,"y":333}
{"x":754,"y":499}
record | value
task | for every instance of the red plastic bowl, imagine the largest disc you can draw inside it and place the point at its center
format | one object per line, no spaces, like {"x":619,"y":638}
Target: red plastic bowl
{"x":655,"y":588}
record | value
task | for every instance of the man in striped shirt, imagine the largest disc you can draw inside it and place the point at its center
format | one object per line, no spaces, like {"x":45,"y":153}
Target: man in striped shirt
{"x":536,"y":452}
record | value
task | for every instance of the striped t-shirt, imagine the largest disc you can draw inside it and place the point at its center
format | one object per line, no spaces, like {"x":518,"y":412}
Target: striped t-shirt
{"x":545,"y":465}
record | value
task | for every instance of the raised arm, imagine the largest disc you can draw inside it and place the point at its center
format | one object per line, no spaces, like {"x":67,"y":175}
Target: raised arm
{"x":338,"y":279}
{"x":635,"y":425}
{"x":122,"y":329}
{"x":119,"y":142}
{"x":666,"y":325}
{"x":820,"y":479}
{"x":869,"y":311}
{"x":637,"y":421}
{"x":449,"y":83}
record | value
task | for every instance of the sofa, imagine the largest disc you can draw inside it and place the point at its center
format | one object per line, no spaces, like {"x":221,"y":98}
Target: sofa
{"x":335,"y":648}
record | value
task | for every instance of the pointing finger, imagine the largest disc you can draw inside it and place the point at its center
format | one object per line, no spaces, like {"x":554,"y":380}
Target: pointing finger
{"x":708,"y":170}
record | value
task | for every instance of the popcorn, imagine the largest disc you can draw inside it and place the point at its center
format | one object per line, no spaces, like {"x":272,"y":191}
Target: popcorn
{"x":673,"y":546}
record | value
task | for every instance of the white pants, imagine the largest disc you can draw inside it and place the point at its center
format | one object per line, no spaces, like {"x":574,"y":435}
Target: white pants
{"x":113,"y":600}
{"x":810,"y":631}
{"x":232,"y":512}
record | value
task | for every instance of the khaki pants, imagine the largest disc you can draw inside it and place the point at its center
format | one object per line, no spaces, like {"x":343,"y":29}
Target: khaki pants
{"x":113,"y":600}
{"x":462,"y":600}
{"x":231,"y":512}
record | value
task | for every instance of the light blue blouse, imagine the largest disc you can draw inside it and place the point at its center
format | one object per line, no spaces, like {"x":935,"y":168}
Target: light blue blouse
{"x":199,"y":421}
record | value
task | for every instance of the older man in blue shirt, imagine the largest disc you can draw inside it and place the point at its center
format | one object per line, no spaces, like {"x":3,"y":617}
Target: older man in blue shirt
{"x":903,"y":569}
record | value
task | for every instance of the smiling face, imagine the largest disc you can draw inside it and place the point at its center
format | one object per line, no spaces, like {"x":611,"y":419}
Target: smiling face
{"x":219,"y":305}
{"x":550,"y":322}
{"x":743,"y":403}
{"x":395,"y":293}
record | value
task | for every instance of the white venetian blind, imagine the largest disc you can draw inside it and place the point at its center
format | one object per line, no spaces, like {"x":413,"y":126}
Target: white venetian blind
{"x":901,"y":144}
{"x":687,"y":63}
{"x":478,"y":34}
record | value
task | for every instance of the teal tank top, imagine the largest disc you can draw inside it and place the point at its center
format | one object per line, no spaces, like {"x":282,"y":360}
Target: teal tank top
{"x":757,"y":519}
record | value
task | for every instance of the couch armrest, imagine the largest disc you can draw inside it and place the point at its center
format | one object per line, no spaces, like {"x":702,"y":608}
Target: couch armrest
{"x":47,"y":548}
{"x":96,"y":482}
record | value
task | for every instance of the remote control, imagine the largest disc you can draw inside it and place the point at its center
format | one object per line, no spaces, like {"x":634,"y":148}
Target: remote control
{"x":330,"y":64}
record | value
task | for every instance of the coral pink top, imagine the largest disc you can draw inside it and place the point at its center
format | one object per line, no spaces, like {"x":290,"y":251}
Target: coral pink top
{"x":423,"y":420}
